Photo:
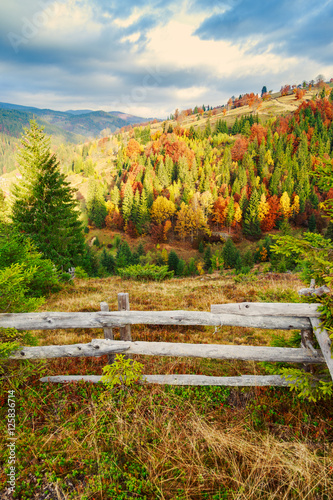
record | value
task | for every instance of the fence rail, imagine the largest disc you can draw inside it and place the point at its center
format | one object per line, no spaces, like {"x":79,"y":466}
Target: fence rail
{"x":303,"y":317}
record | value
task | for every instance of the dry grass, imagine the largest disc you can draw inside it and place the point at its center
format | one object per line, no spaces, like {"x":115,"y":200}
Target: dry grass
{"x":156,"y":442}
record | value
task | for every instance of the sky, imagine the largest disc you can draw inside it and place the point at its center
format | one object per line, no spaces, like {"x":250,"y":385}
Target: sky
{"x":148,"y":58}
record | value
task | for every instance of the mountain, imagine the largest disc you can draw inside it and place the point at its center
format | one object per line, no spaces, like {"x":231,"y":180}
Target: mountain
{"x":12,"y":123}
{"x":73,"y":124}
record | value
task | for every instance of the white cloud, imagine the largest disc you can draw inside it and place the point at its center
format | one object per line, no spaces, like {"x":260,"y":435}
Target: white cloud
{"x":128,"y":21}
{"x":175,"y":45}
{"x":70,"y":22}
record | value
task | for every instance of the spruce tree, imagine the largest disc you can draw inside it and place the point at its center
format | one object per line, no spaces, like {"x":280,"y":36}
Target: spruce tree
{"x":96,"y":207}
{"x":44,"y":207}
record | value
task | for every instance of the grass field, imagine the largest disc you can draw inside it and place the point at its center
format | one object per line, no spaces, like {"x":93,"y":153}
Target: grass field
{"x":160,"y":442}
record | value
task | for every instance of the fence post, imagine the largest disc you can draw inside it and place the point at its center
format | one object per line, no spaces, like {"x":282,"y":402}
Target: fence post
{"x":307,"y":343}
{"x":123,"y":305}
{"x":108,"y":334}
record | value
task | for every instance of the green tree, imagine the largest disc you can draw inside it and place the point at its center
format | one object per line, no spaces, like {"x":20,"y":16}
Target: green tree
{"x":96,"y":207}
{"x":44,"y":207}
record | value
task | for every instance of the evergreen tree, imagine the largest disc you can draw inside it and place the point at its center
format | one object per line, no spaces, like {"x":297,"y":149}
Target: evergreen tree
{"x":108,"y":262}
{"x":96,"y":207}
{"x":44,"y":207}
{"x":127,"y":202}
{"x":251,"y":221}
{"x":173,"y":261}
{"x":208,"y":258}
{"x":231,"y":255}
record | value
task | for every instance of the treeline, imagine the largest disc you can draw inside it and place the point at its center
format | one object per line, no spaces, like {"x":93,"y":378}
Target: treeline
{"x":8,"y":148}
{"x":248,"y":179}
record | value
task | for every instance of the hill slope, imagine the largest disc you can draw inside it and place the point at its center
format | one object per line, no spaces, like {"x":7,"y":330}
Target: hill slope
{"x":79,"y":122}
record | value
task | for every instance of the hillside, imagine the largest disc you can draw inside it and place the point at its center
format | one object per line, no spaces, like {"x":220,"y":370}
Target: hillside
{"x":83,"y":123}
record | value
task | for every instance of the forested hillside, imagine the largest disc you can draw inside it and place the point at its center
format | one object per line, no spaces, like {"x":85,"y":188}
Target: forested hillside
{"x":248,"y":178}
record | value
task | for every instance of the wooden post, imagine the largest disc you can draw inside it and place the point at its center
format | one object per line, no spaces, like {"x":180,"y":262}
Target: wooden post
{"x":307,"y":343}
{"x":108,"y":334}
{"x":123,"y":305}
{"x":125,"y":331}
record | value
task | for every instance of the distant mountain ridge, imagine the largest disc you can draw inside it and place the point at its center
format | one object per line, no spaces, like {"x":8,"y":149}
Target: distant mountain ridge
{"x":73,"y":125}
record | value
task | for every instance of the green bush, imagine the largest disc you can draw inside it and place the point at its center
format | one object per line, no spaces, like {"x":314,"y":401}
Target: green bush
{"x":180,"y":267}
{"x":192,"y":268}
{"x":108,"y":262}
{"x":14,"y":286}
{"x":11,"y":340}
{"x":231,"y":255}
{"x":149,"y":272}
{"x":80,"y":273}
{"x":173,"y":261}
{"x":16,"y":249}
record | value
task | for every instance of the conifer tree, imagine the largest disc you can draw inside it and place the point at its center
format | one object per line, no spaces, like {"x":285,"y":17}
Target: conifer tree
{"x":251,"y":221}
{"x":96,"y":207}
{"x":127,"y":201}
{"x":44,"y":207}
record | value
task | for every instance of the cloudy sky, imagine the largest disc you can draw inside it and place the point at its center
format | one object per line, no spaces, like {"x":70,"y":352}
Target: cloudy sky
{"x":148,"y":58}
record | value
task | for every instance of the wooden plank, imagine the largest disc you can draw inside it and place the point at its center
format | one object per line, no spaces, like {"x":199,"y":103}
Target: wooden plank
{"x":108,"y":334}
{"x":65,"y":320}
{"x":242,"y":381}
{"x":325,"y":343}
{"x":67,"y":351}
{"x":99,"y":347}
{"x":267,"y":309}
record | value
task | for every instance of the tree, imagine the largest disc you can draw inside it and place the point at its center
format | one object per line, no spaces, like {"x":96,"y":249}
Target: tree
{"x":44,"y":207}
{"x":251,"y":222}
{"x":96,"y":207}
{"x":162,"y":210}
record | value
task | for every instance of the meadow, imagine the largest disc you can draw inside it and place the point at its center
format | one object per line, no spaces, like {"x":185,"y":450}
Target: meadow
{"x":81,"y":441}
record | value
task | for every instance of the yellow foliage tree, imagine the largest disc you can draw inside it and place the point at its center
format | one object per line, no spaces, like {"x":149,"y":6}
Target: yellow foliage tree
{"x":285,"y":205}
{"x":238,"y":214}
{"x":295,"y":205}
{"x":162,"y":209}
{"x":263,"y":208}
{"x":190,"y":221}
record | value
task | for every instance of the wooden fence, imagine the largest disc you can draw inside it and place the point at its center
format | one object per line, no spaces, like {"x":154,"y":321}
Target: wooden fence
{"x":287,"y":316}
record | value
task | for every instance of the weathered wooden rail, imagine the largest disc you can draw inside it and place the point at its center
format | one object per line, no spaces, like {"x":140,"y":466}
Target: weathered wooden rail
{"x":303,"y":317}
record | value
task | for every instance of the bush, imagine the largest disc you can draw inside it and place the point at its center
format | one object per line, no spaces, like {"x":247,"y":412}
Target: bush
{"x":180,"y":267}
{"x":108,"y":262}
{"x":192,"y":268}
{"x":149,"y":272}
{"x":248,"y":259}
{"x":208,"y":258}
{"x":124,"y":255}
{"x":15,"y":249}
{"x":231,"y":255}
{"x":173,"y":261}
{"x":80,"y":273}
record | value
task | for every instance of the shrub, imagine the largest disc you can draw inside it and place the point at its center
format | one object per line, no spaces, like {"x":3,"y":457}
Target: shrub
{"x":173,"y":261}
{"x":146,"y":273}
{"x":208,"y":258}
{"x":15,"y":249}
{"x":180,"y":267}
{"x":108,"y":262}
{"x":231,"y":255}
{"x":80,"y":273}
{"x":124,"y":255}
{"x":192,"y":268}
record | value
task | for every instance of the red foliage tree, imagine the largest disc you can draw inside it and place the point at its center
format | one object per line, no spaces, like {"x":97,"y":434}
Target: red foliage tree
{"x":239,"y":148}
{"x":273,"y":215}
{"x":258,"y":131}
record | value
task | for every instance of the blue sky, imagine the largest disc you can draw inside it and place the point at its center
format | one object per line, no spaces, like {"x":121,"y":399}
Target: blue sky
{"x":148,"y":58}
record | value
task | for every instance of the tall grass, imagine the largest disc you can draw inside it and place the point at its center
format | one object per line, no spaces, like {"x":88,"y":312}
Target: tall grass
{"x":162,"y":442}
